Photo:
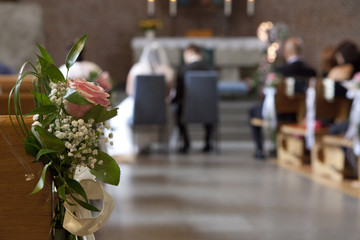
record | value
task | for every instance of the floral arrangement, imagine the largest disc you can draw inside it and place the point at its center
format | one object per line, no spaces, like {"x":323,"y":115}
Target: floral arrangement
{"x":69,"y":120}
{"x":150,"y":24}
{"x":272,"y":79}
{"x":102,"y":79}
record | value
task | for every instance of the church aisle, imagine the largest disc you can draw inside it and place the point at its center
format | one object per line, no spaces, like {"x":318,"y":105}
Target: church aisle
{"x":225,"y":196}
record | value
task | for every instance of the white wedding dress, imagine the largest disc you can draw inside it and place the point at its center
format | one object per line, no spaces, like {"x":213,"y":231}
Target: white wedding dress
{"x":126,"y":142}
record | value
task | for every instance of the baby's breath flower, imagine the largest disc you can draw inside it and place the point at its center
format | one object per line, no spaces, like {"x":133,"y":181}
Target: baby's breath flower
{"x":100,"y":162}
{"x":81,"y":122}
{"x":95,"y":152}
{"x":37,"y":123}
{"x":36,"y":117}
{"x":74,"y":123}
{"x":70,"y":154}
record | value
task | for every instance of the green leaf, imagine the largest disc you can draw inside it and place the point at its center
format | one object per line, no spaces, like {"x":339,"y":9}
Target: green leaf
{"x":85,"y":205}
{"x":44,"y":152}
{"x":74,"y":97}
{"x":31,"y":145}
{"x":108,"y":171}
{"x":75,"y":51}
{"x":43,"y":110}
{"x":50,"y":118}
{"x":40,"y":184}
{"x":51,"y":70}
{"x":45,"y":54}
{"x":48,"y":140}
{"x":76,"y":186}
{"x":61,"y":192}
{"x":42,"y":98}
{"x":100,"y":114}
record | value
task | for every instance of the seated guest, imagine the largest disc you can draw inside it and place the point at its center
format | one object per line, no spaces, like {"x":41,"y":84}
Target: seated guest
{"x":5,"y":70}
{"x":193,"y":61}
{"x":295,"y":66}
{"x":153,"y":60}
{"x":347,"y":57}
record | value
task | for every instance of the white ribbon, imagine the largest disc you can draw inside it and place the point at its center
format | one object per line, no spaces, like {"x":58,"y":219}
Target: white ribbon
{"x":82,"y":223}
{"x":352,"y":132}
{"x":310,"y":115}
{"x":269,"y":115}
{"x":329,"y":89}
{"x":269,"y":109}
{"x":290,"y":86}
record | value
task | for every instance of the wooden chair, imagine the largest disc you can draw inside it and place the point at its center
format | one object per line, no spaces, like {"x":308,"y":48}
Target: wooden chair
{"x":291,"y":137}
{"x":23,"y":216}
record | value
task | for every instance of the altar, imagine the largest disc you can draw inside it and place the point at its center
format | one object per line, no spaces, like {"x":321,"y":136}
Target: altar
{"x":228,"y":55}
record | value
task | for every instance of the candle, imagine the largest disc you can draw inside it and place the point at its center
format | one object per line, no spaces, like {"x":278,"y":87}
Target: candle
{"x":250,"y":7}
{"x":151,"y":8}
{"x":172,"y":8}
{"x":227,"y":8}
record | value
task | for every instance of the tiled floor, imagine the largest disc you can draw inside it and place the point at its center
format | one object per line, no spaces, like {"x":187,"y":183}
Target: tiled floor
{"x":225,"y":196}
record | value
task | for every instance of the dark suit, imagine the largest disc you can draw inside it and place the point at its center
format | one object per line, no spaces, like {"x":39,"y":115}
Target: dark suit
{"x":179,"y":102}
{"x":295,"y":69}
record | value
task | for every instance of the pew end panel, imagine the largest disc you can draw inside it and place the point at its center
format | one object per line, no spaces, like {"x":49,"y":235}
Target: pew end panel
{"x":23,"y":216}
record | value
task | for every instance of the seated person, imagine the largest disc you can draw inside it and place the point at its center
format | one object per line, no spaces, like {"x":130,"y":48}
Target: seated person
{"x":347,"y":57}
{"x":153,"y":60}
{"x":294,"y":67}
{"x":193,"y":61}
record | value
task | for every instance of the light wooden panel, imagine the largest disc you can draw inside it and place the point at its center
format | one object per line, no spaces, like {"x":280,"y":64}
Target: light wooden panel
{"x":22,"y":216}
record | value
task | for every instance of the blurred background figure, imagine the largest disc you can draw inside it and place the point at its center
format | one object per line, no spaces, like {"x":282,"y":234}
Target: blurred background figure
{"x":328,"y":60}
{"x":192,"y":61}
{"x":347,"y":57}
{"x":153,"y":60}
{"x":295,"y":66}
{"x":5,"y":69}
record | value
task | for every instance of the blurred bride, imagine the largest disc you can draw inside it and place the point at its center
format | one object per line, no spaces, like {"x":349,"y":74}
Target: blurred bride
{"x":153,"y":60}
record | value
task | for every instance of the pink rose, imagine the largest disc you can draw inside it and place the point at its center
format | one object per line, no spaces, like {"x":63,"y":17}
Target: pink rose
{"x":91,"y":92}
{"x":96,"y":95}
{"x":104,"y":81}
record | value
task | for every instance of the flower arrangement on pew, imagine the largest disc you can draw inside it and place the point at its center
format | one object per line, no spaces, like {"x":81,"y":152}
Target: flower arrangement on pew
{"x":68,"y":128}
{"x":102,"y":79}
{"x":272,"y":79}
{"x":269,"y":109}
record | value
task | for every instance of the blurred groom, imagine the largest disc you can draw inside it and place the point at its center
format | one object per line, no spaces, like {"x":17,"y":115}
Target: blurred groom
{"x":193,"y":62}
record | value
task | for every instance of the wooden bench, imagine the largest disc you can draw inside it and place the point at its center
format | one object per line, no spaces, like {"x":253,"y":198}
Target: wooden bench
{"x":7,"y":82}
{"x":23,"y":216}
{"x":285,"y":105}
{"x":291,"y":138}
{"x":328,"y":157}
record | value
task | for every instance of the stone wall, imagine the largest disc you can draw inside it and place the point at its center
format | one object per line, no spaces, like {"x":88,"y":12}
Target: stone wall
{"x":22,"y":27}
{"x":112,"y":23}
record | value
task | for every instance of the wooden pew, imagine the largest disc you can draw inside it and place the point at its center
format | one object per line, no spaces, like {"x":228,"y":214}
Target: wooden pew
{"x":291,"y":137}
{"x":23,"y":216}
{"x":7,"y":82}
{"x":285,"y":104}
{"x":328,"y":157}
